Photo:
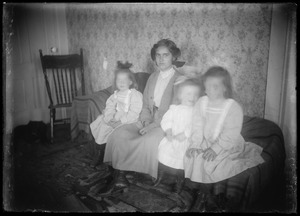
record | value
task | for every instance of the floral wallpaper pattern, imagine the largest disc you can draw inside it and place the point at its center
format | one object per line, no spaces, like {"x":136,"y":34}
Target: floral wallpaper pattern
{"x":235,"y":36}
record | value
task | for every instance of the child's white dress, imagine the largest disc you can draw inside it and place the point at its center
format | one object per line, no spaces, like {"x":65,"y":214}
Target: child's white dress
{"x":220,"y":129}
{"x":125,"y":106}
{"x":179,"y":119}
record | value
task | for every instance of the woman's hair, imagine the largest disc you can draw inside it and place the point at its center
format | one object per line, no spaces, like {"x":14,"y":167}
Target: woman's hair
{"x":187,"y":82}
{"x":220,"y":72}
{"x":125,"y":68}
{"x":174,"y":50}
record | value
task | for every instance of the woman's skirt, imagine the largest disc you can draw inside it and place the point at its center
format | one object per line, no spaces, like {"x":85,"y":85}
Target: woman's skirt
{"x":128,"y":150}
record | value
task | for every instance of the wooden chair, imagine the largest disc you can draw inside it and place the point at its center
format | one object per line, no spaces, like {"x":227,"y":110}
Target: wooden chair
{"x":62,"y":69}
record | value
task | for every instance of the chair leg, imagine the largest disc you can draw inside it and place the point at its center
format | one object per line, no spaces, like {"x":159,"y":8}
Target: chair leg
{"x":54,"y":114}
{"x":51,"y":125}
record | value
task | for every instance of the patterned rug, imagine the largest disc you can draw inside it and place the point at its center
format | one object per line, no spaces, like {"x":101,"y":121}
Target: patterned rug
{"x":58,"y":178}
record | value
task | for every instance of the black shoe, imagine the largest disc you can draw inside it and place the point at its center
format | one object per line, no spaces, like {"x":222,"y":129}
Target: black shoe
{"x":111,"y":189}
{"x":221,"y":201}
{"x":199,"y":204}
{"x":179,"y":185}
{"x":98,"y":158}
{"x":211,"y":203}
{"x":159,"y":178}
{"x":121,"y":180}
{"x":188,"y":196}
{"x":96,"y":161}
{"x":114,"y":186}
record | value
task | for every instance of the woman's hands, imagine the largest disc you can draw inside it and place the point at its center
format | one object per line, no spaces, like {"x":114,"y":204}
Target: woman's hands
{"x":189,"y":153}
{"x":146,"y":129}
{"x":145,"y":123}
{"x":180,"y":137}
{"x":208,"y":154}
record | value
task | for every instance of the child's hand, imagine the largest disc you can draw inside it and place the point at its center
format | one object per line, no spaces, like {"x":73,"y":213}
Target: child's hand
{"x":145,"y":123}
{"x":180,"y":137}
{"x":139,"y":125}
{"x":111,"y":122}
{"x":209,"y":155}
{"x":119,"y":115}
{"x":189,"y":153}
{"x":169,"y":135}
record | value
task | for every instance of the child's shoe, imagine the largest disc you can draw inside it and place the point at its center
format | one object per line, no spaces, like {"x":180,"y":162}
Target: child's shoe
{"x":179,"y":184}
{"x":159,"y":178}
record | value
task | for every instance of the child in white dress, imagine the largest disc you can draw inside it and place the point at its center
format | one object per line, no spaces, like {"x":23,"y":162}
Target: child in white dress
{"x":218,"y":151}
{"x":122,"y":107}
{"x":177,"y":123}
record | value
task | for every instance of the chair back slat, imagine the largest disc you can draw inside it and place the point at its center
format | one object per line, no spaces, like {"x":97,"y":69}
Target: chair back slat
{"x":72,"y":85}
{"x":59,"y":87}
{"x":68,"y":89}
{"x":63,"y":69}
{"x":74,"y":78}
{"x":56,"y":86}
{"x":82,"y":72}
{"x":63,"y":86}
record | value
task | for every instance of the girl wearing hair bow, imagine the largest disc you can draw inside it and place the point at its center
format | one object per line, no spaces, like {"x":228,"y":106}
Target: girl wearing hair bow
{"x":122,"y":107}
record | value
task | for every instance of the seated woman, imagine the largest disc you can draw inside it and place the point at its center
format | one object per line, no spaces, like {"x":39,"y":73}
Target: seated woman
{"x":217,"y":150}
{"x":134,"y":147}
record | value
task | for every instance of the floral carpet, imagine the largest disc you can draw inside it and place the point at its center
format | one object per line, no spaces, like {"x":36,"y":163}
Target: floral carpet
{"x":58,"y":178}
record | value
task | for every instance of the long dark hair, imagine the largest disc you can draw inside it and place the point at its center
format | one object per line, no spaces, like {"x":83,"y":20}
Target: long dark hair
{"x":217,"y":71}
{"x":125,"y":68}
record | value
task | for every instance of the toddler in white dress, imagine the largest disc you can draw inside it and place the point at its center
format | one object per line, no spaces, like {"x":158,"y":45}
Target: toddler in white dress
{"x":176,"y":123}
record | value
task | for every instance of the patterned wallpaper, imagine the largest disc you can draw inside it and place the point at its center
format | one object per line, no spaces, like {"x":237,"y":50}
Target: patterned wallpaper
{"x":235,"y":36}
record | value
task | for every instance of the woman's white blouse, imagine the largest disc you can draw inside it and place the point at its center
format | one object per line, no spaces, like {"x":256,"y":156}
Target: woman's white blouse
{"x":161,"y":84}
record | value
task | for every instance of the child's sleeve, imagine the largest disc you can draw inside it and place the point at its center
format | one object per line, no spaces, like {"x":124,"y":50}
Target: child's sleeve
{"x":167,"y":119}
{"x":230,"y":135}
{"x":197,"y":127}
{"x":110,"y":109}
{"x":135,"y":107}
